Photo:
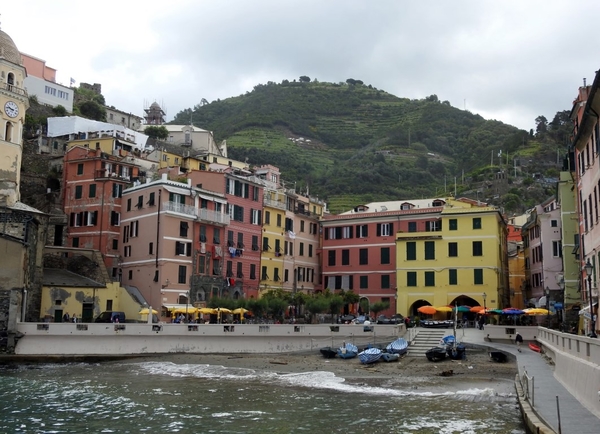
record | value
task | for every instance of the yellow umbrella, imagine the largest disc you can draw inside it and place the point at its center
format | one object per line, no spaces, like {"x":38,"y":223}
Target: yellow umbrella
{"x":209,"y":310}
{"x":444,"y":309}
{"x":537,"y":311}
{"x":145,"y":311}
{"x":241,"y":311}
{"x":223,"y":310}
{"x":186,"y":310}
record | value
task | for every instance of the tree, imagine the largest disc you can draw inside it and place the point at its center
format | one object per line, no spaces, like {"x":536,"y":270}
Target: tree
{"x":157,"y":132}
{"x":92,"y":110}
{"x":304,"y":79}
{"x":335,"y":304}
{"x":59,"y":110}
{"x":378,"y":307}
{"x":541,"y":125}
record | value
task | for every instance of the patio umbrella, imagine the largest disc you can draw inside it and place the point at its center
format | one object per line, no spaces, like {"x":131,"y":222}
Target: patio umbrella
{"x":241,"y":311}
{"x":186,"y":310}
{"x":145,"y":311}
{"x":207,"y":310}
{"x":493,"y":311}
{"x":476,"y":309}
{"x":428,"y":310}
{"x":537,"y":311}
{"x":464,"y":309}
{"x":512,"y":311}
{"x":444,"y":309}
{"x":223,"y":310}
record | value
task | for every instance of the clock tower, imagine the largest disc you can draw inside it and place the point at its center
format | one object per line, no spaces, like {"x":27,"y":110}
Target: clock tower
{"x":13,"y":104}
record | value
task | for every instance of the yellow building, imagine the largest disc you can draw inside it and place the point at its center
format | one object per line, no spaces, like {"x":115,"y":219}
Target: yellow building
{"x":64,"y":292}
{"x":462,"y":262}
{"x":273,"y":241}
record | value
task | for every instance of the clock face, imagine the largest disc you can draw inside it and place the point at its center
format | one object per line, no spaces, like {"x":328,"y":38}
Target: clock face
{"x":11,"y":109}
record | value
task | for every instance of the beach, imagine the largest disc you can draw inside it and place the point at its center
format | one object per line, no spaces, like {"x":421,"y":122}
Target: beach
{"x":477,"y":370}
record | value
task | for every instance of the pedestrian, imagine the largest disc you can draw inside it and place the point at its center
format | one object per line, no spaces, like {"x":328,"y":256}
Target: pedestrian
{"x":66,"y":317}
{"x":74,"y":317}
{"x":481,"y":322}
{"x":519,"y":341}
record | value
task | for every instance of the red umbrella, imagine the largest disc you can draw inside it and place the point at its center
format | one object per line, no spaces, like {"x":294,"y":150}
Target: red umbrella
{"x":477,"y":309}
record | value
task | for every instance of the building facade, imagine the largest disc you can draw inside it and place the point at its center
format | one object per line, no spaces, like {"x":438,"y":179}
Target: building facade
{"x":41,"y":83}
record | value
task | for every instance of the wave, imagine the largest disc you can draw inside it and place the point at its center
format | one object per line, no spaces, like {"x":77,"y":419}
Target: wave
{"x":323,"y":380}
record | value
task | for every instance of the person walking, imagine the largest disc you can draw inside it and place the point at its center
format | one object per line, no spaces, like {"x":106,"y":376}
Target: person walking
{"x":518,"y":341}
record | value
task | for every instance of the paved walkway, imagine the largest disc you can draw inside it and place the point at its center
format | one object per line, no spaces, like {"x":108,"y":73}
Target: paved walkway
{"x":575,"y":418}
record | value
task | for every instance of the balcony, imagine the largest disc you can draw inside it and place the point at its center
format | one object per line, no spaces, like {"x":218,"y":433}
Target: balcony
{"x":279,"y":204}
{"x":107,"y":174}
{"x":201,"y":214}
{"x":13,"y":89}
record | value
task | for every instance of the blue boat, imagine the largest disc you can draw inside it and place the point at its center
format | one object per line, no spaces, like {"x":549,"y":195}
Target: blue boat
{"x":370,"y":355}
{"x":399,"y":346}
{"x":390,"y":357}
{"x":347,"y":351}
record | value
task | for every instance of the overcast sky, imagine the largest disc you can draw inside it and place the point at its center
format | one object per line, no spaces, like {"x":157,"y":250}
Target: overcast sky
{"x":509,"y":60}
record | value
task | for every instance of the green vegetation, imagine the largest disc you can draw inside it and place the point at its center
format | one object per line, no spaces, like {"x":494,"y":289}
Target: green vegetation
{"x":350,"y":143}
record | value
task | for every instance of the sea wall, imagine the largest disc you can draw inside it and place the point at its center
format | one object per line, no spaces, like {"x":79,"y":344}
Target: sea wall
{"x":576,"y":364}
{"x":62,"y":339}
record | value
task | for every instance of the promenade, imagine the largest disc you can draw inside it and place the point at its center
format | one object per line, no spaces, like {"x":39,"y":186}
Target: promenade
{"x":574,"y":417}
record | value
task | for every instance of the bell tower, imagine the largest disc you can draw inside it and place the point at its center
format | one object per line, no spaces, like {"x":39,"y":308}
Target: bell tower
{"x":13,"y":104}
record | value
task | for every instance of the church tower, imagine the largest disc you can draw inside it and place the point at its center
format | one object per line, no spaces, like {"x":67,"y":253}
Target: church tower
{"x":13,"y":104}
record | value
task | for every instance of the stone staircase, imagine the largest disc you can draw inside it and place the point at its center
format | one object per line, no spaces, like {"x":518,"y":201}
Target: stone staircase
{"x":424,"y":340}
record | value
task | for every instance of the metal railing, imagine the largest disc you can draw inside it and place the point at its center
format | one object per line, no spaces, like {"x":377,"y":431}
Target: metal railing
{"x":13,"y":89}
{"x":199,"y":213}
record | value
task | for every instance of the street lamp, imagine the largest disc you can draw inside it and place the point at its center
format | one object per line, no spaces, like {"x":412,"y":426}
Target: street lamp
{"x":484,"y":307}
{"x":547,"y":291}
{"x":561,"y":285}
{"x":589,"y":268}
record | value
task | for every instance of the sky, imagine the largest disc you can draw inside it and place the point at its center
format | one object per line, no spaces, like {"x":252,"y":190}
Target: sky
{"x":509,"y":60}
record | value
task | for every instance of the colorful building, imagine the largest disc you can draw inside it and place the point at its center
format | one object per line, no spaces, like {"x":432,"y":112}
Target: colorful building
{"x":457,"y":257}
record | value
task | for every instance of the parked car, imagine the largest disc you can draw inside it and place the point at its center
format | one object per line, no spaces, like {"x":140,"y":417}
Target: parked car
{"x":111,"y":316}
{"x":395,"y":319}
{"x":343,"y":319}
{"x":361,"y":319}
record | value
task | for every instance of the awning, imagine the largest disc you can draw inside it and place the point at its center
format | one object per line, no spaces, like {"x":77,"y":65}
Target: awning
{"x":177,"y":306}
{"x":585,"y":311}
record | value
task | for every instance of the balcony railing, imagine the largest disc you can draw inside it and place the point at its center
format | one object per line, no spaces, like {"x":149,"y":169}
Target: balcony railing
{"x":200,"y":214}
{"x":104,"y":173}
{"x":274,"y":203}
{"x":13,"y":89}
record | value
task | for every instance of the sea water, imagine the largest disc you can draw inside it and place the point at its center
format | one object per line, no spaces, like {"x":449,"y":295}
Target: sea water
{"x":166,"y":397}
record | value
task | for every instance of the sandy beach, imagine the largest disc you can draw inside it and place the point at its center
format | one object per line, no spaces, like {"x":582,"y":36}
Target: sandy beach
{"x":476,"y":371}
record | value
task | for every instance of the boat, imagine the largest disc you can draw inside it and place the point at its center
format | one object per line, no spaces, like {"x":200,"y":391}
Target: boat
{"x":347,"y":351}
{"x":399,"y":346}
{"x":436,"y":354}
{"x":448,"y":340}
{"x":535,"y":347}
{"x":390,"y":357}
{"x":328,"y":352}
{"x":456,"y":351}
{"x":370,"y":355}
{"x":498,"y":356}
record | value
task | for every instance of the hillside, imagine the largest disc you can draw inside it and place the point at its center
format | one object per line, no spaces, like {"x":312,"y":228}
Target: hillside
{"x":350,"y":143}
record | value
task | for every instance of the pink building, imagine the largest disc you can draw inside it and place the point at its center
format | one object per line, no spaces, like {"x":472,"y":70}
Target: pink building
{"x":173,"y":244}
{"x":359,"y":246}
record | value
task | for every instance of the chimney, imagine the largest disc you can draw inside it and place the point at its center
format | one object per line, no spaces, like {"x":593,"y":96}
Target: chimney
{"x":583,"y":81}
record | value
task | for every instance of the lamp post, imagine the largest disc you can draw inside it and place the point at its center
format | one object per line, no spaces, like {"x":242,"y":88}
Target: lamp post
{"x":484,"y":306}
{"x":561,"y":285}
{"x":589,"y":268}
{"x":547,"y":292}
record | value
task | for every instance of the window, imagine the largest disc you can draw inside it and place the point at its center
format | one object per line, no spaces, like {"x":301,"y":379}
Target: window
{"x":217,"y":236}
{"x":151,"y":199}
{"x":253,"y":271}
{"x":385,"y":229}
{"x":75,"y":241}
{"x":411,"y":278}
{"x":277,"y":247}
{"x":310,"y":250}
{"x":240,"y":240}
{"x":255,"y":243}
{"x":80,"y":169}
{"x":78,"y":192}
{"x":411,"y":251}
{"x":478,"y":276}
{"x":429,"y":278}
{"x":216,"y":267}
{"x":230,"y":242}
{"x":345,"y":256}
{"x":385,"y":255}
{"x":255,"y":216}
{"x":267,"y":217}
{"x":452,"y":250}
{"x":429,"y":249}
{"x":347,"y":232}
{"x":301,"y":252}
{"x":263,"y":274}
{"x":276,"y":277}
{"x":362,"y":231}
{"x":140,"y":202}
{"x":412,"y":226}
{"x":130,"y":274}
{"x":181,"y":276}
{"x":476,"y":222}
{"x":453,"y":224}
{"x":128,"y":204}
{"x":557,"y":248}
{"x":183,"y":249}
{"x":115,"y":218}
{"x":238,"y":213}
{"x":554,"y":223}
{"x":477,"y":248}
{"x":117,"y":190}
{"x":363,"y":257}
{"x":183,"y":229}
{"x":229,"y":269}
{"x":202,"y":234}
{"x":278,"y":220}
{"x":92,"y":190}
{"x":452,"y":276}
{"x":385,"y":281}
{"x":134,"y":228}
{"x":331,"y":258}
{"x":115,"y":244}
{"x":364,"y":282}
{"x":265,"y":245}
{"x":150,"y":248}
{"x":127,"y":251}
{"x":301,"y":225}
{"x":289,"y":224}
